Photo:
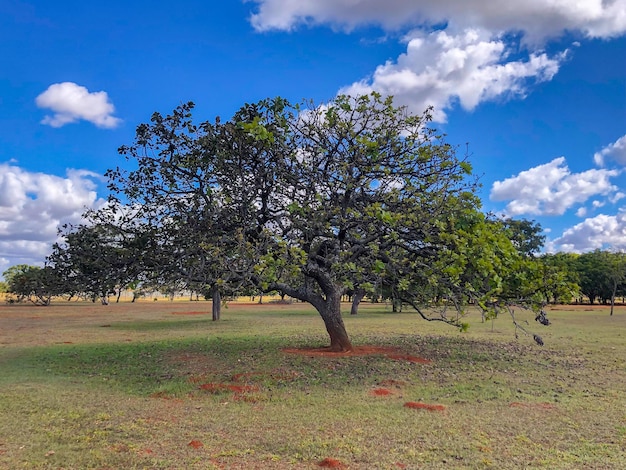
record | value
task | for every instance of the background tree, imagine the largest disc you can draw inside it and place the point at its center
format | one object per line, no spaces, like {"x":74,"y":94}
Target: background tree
{"x":526,"y":235}
{"x":32,"y":283}
{"x":615,"y":266}
{"x":101,"y":258}
{"x":560,"y":280}
{"x":592,"y":271}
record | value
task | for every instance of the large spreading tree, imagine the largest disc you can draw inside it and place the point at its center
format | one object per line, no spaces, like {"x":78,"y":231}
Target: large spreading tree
{"x":314,"y":201}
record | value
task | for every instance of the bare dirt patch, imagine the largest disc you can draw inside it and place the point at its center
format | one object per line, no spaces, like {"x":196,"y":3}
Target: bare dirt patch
{"x":196,"y":444}
{"x":424,"y":406}
{"x":246,"y":393}
{"x":331,"y":463}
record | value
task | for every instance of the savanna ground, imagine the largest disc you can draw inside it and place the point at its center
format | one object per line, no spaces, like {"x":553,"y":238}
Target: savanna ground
{"x":158,"y":385}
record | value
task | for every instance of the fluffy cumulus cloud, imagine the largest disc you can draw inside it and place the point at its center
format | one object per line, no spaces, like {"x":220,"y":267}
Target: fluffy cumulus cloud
{"x":34,"y":205}
{"x":539,"y":19}
{"x":551,"y":189}
{"x":71,"y":102}
{"x":440,"y":68}
{"x":459,"y":51}
{"x":615,"y":152}
{"x":599,"y":232}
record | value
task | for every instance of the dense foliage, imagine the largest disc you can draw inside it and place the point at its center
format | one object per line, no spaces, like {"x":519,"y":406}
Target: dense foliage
{"x":355,"y":196}
{"x":33,"y":284}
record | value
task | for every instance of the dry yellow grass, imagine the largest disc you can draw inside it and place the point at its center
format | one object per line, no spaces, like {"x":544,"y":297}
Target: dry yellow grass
{"x":154,"y":385}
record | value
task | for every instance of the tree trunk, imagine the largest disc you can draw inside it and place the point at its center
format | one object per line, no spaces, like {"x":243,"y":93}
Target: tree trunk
{"x":216,"y":308}
{"x":328,"y":306}
{"x":331,"y":314}
{"x":356,"y":300}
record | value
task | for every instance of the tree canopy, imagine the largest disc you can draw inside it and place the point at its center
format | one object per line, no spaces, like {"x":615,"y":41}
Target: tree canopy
{"x":311,"y":201}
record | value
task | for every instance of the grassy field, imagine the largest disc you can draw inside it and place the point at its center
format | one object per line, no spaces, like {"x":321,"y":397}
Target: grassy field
{"x":158,"y":385}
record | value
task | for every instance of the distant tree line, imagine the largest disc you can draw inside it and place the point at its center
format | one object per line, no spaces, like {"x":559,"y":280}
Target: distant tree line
{"x":595,"y":277}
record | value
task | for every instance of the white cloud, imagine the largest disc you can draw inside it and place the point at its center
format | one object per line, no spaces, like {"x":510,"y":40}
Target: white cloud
{"x":599,"y":232}
{"x":440,"y":68}
{"x":615,"y":151}
{"x":34,"y":205}
{"x":463,"y":51}
{"x":538,"y":19}
{"x":71,"y":102}
{"x":551,"y":189}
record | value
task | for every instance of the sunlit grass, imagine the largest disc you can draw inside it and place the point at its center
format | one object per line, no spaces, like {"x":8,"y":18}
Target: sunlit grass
{"x":132,"y":386}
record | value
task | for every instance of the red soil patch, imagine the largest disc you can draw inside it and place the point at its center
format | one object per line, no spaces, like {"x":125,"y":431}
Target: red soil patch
{"x":195,"y":444}
{"x":387,"y":351}
{"x":381,"y":392}
{"x":424,"y":406}
{"x":331,"y":463}
{"x":541,"y":406}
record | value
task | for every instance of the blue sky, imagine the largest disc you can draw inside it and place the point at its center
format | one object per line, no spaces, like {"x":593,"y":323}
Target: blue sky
{"x":536,"y":91}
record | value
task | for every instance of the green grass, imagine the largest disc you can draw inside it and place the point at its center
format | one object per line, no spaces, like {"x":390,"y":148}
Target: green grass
{"x":132,"y":386}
